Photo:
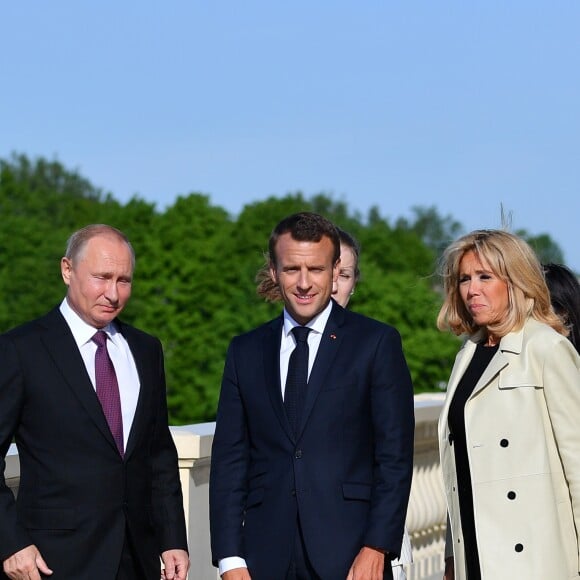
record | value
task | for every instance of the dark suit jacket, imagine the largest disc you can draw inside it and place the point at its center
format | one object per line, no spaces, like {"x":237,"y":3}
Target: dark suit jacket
{"x":346,"y":476}
{"x":77,"y":496}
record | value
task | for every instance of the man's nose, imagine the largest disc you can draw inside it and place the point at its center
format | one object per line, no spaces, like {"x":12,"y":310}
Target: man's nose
{"x":304,"y":279}
{"x":111,"y":292}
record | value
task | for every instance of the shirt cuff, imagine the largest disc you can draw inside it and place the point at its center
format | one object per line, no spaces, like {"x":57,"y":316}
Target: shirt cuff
{"x":227,"y":564}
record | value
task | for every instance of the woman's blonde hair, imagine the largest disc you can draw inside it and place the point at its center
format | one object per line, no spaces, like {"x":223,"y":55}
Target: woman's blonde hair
{"x":512,"y":260}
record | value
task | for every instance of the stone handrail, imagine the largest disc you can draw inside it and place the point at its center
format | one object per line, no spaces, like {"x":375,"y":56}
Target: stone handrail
{"x":425,"y":517}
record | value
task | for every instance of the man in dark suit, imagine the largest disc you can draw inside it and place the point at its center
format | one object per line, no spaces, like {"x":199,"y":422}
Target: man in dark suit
{"x":99,"y":495}
{"x":310,"y":478}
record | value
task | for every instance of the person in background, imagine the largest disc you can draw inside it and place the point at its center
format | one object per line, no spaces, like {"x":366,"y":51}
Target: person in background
{"x":84,"y":396}
{"x":508,"y":431}
{"x":312,"y":456}
{"x":343,"y":289}
{"x":565,"y":296}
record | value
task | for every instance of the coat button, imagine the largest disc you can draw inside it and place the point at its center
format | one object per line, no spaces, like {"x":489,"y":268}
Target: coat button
{"x":293,"y":493}
{"x":504,"y":442}
{"x":298,"y":454}
{"x":519,"y":548}
{"x":450,"y":438}
{"x":511,"y":495}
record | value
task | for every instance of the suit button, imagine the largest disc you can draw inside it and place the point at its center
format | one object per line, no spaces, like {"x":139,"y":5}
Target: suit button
{"x":450,"y":438}
{"x":298,"y":454}
{"x":511,"y":495}
{"x":504,"y":442}
{"x":519,"y":548}
{"x":293,"y":493}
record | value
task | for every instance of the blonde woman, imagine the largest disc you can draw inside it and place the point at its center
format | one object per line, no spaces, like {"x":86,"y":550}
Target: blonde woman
{"x":508,"y":432}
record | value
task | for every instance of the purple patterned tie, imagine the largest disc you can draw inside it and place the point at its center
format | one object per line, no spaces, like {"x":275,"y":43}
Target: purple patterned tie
{"x":108,"y":389}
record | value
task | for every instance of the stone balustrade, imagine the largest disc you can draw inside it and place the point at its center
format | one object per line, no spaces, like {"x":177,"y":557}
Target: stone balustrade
{"x":425,"y":517}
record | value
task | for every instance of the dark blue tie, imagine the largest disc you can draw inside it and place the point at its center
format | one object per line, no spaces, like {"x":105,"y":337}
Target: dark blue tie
{"x":297,"y":377}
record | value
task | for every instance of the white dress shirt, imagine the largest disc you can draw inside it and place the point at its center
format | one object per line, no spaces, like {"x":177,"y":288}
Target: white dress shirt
{"x":121,"y":356}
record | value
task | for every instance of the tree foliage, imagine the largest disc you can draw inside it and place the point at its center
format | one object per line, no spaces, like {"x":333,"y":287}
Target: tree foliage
{"x":194,"y":283}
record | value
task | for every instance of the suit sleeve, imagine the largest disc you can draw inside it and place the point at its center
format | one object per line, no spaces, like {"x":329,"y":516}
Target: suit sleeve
{"x":393,"y":427}
{"x":13,"y":536}
{"x":229,"y":467}
{"x":562,"y":393}
{"x":167,"y":498}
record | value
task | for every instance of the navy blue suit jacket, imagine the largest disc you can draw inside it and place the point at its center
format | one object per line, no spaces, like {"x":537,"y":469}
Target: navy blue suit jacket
{"x":346,"y":476}
{"x":77,"y":496}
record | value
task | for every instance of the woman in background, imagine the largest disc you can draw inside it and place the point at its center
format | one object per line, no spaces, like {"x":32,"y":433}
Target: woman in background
{"x":565,"y":296}
{"x":343,"y":289}
{"x":508,"y":431}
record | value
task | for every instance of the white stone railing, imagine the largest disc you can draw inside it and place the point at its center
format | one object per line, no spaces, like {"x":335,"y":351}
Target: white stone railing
{"x":425,"y":518}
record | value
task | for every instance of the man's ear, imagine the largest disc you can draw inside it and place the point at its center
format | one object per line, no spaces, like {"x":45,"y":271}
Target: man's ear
{"x":66,"y":269}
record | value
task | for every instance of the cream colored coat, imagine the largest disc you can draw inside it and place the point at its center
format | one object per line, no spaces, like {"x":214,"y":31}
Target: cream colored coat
{"x":522,"y":425}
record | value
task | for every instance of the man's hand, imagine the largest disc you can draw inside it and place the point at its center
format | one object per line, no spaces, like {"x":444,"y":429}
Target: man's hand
{"x":368,"y":565}
{"x":237,"y":574}
{"x":449,"y":569}
{"x":26,"y":565}
{"x":176,"y":564}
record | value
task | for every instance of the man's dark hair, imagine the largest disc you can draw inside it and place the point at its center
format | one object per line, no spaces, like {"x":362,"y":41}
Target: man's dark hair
{"x":305,"y":227}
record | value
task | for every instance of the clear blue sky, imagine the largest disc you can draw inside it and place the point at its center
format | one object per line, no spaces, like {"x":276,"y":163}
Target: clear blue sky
{"x":464,"y":106}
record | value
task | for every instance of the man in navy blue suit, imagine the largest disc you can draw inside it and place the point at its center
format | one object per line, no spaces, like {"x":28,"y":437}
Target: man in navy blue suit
{"x":318,"y":489}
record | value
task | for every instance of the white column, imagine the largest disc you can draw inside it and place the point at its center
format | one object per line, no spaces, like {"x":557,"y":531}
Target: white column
{"x":193,"y":444}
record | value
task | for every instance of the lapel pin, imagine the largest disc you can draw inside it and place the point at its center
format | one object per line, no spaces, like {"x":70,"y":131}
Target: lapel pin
{"x":333,"y":336}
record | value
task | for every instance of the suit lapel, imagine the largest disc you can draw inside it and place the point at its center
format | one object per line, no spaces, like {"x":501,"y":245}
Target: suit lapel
{"x":145,"y":385}
{"x":330,"y":342}
{"x":60,"y":344}
{"x":271,"y":352}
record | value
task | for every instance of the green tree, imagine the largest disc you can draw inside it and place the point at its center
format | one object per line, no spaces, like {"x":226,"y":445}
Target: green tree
{"x":545,"y":247}
{"x":436,"y":231}
{"x":194,"y":285}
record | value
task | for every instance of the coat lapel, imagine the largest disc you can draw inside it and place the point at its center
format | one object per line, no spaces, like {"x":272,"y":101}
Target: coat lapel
{"x":60,"y":344}
{"x":510,"y":343}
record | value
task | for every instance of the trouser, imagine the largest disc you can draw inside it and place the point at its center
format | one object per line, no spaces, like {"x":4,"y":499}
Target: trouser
{"x":129,"y":567}
{"x":301,"y":568}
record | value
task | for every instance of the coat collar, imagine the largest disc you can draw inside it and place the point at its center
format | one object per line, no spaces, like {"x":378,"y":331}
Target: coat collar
{"x":512,"y":343}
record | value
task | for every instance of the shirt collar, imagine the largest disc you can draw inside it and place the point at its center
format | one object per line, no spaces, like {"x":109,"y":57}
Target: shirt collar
{"x":81,"y":331}
{"x":317,"y":324}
